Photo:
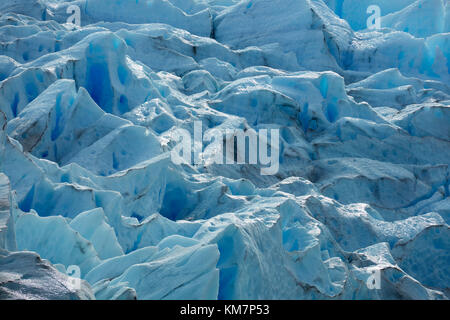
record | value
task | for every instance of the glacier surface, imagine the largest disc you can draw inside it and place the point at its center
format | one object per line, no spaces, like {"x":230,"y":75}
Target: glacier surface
{"x":89,"y":113}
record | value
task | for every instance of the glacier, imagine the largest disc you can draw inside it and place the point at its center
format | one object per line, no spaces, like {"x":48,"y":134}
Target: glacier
{"x":89,"y":115}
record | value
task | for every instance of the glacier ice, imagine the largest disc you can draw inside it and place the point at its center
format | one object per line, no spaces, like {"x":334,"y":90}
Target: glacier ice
{"x":25,"y":276}
{"x":89,"y":116}
{"x":7,"y":230}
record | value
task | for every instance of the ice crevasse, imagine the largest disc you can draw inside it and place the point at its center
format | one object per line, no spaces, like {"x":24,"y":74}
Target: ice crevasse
{"x":89,"y":116}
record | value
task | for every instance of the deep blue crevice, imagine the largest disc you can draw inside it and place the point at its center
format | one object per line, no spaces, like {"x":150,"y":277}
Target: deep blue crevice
{"x":99,"y":85}
{"x":26,"y":204}
{"x":14,"y":105}
{"x":57,"y":130}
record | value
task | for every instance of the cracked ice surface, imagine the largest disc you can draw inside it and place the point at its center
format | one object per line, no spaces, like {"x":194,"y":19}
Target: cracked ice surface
{"x":89,"y":116}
